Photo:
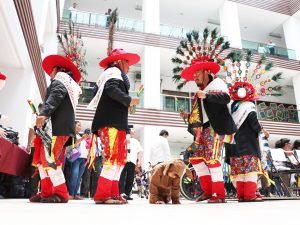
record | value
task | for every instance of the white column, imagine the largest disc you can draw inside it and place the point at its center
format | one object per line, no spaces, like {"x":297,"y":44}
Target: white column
{"x":230,"y":26}
{"x":151,"y":77}
{"x":20,"y":86}
{"x":296,"y":84}
{"x":151,"y":16}
{"x":291,"y":29}
{"x":151,"y":56}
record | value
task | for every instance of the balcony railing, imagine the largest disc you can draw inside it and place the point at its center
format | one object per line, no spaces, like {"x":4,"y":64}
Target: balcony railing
{"x":127,"y":24}
{"x":267,"y":111}
{"x":96,"y":19}
{"x":269,"y":50}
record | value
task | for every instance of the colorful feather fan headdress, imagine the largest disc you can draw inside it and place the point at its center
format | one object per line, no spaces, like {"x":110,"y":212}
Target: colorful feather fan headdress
{"x":248,"y":80}
{"x":198,"y":53}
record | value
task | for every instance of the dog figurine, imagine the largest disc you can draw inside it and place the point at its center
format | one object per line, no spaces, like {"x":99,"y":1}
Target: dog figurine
{"x":165,"y":182}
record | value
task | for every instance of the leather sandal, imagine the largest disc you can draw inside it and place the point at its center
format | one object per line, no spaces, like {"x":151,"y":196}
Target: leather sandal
{"x":203,"y":197}
{"x":216,"y":200}
{"x":108,"y":201}
{"x":35,"y":198}
{"x":55,"y":198}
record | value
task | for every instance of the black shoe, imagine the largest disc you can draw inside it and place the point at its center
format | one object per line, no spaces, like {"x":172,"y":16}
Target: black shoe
{"x":129,"y":198}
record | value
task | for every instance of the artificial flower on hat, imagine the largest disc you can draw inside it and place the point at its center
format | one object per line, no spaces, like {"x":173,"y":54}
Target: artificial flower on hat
{"x":119,"y":54}
{"x":2,"y":80}
{"x":195,"y":53}
{"x":248,"y":80}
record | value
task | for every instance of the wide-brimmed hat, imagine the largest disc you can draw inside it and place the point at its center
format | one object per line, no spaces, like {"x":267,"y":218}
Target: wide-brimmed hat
{"x":2,"y":76}
{"x":120,"y":54}
{"x":243,"y":91}
{"x":188,"y":73}
{"x":52,"y":61}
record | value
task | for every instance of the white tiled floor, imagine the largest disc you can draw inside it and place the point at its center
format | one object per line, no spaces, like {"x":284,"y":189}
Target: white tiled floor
{"x":138,"y":212}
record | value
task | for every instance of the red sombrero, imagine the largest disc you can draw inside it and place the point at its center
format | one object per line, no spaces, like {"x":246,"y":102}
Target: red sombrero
{"x":120,"y":54}
{"x":2,"y":76}
{"x":52,"y":61}
{"x":198,"y":64}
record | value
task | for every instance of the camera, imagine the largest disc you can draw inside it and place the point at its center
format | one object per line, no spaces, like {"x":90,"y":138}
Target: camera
{"x":11,"y":135}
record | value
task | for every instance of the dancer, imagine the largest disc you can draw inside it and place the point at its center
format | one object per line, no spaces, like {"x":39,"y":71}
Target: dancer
{"x":59,"y":105}
{"x":209,"y":121}
{"x":110,"y":122}
{"x":245,"y":154}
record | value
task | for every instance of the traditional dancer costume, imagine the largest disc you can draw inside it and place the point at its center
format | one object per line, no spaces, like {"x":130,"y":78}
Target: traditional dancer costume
{"x":110,"y":123}
{"x":209,"y":121}
{"x":245,"y":155}
{"x":59,"y":105}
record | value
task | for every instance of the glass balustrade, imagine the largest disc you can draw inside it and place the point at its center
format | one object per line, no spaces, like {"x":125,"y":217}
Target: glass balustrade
{"x":269,"y":50}
{"x":96,"y":19}
{"x":127,"y":24}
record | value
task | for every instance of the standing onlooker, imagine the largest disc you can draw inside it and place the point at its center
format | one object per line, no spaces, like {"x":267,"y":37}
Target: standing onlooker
{"x":108,"y":14}
{"x":271,"y":46}
{"x":134,"y":159}
{"x":73,"y":12}
{"x":78,"y":164}
{"x":34,"y":177}
{"x":160,"y":150}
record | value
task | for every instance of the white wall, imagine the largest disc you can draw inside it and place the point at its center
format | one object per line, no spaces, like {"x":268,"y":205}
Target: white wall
{"x":20,"y":86}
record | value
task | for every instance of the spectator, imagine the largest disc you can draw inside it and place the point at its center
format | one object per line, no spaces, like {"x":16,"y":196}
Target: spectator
{"x":160,"y":150}
{"x":34,"y":178}
{"x":79,"y":158}
{"x":108,"y":14}
{"x":271,"y":46}
{"x":134,"y":159}
{"x":286,"y":145}
{"x":296,"y":145}
{"x":73,"y":12}
{"x":261,"y":49}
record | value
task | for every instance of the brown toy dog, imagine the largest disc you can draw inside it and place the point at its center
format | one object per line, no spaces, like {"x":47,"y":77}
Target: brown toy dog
{"x":165,"y":182}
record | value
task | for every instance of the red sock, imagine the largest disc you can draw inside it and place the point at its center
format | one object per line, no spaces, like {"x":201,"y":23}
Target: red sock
{"x":250,"y":190}
{"x":218,"y":189}
{"x":240,"y":189}
{"x":62,"y":191}
{"x":206,"y":184}
{"x":47,"y":187}
{"x":115,"y":188}
{"x":104,"y":189}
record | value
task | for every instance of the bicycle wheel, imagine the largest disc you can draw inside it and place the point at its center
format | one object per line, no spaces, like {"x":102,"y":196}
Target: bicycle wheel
{"x":189,"y":188}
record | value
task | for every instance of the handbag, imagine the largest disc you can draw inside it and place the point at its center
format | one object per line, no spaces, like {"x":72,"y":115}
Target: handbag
{"x":72,"y":153}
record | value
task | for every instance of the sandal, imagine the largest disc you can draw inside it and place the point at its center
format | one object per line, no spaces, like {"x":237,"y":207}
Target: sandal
{"x":55,"y":198}
{"x":35,"y":198}
{"x":255,"y":199}
{"x":108,"y":201}
{"x":120,"y":198}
